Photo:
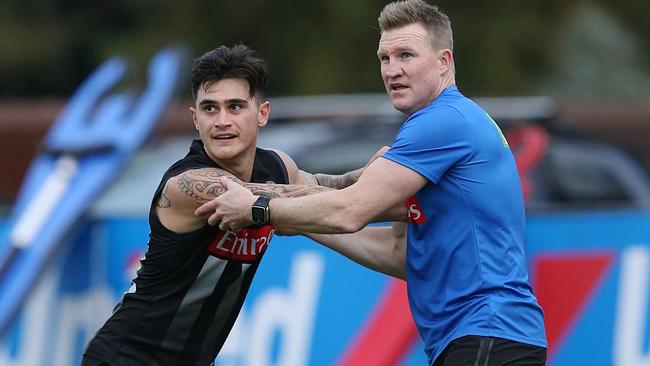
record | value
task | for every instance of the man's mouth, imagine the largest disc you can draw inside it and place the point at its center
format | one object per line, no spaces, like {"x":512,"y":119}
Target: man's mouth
{"x":225,"y":136}
{"x":397,"y":87}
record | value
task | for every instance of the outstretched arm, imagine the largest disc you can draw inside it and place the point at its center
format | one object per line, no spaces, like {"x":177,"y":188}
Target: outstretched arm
{"x":383,"y":186}
{"x":297,"y":176}
{"x":382,"y":249}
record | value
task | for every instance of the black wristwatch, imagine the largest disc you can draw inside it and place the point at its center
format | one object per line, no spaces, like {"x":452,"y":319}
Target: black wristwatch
{"x":261,"y":211}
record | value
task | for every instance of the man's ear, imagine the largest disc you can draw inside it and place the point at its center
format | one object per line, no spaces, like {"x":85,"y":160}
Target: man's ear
{"x":264,"y":113}
{"x":446,"y":60}
{"x":193,"y":114}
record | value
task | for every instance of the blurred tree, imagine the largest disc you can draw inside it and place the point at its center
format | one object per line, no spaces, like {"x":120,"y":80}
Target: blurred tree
{"x":598,"y":56}
{"x":502,"y":48}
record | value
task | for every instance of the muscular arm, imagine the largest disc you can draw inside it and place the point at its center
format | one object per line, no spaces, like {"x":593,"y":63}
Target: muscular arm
{"x":185,"y":192}
{"x":204,"y":184}
{"x":382,"y":249}
{"x":326,"y":180}
{"x":297,"y":176}
{"x":382,"y":188}
{"x":338,"y":181}
{"x":330,"y":180}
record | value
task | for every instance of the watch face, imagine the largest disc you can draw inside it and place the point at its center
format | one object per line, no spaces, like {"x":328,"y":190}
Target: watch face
{"x":260,"y":211}
{"x":258,"y":215}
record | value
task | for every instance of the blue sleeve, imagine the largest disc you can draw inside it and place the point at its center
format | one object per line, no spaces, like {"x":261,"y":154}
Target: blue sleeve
{"x":431,"y":141}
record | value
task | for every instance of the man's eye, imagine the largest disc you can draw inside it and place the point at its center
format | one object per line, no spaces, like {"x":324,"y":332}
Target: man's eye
{"x":209,"y":109}
{"x":383,"y":59}
{"x":235,"y":107}
{"x":407,"y":55}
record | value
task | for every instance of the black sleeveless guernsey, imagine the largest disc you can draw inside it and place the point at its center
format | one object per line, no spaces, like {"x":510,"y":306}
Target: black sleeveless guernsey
{"x":190,"y":287}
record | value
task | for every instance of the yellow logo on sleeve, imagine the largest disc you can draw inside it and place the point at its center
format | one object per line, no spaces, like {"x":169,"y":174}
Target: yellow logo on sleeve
{"x":503,"y":138}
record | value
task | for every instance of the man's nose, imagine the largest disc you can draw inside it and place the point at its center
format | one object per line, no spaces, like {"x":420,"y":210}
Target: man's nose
{"x":392,"y":69}
{"x":222,"y":119}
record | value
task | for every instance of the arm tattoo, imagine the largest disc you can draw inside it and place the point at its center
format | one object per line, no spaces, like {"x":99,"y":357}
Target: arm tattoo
{"x":204,"y":185}
{"x":338,"y":181}
{"x":164,"y":201}
{"x":282,"y":190}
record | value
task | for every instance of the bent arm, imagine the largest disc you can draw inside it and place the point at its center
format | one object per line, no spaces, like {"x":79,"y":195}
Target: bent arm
{"x":382,"y":249}
{"x":185,"y":192}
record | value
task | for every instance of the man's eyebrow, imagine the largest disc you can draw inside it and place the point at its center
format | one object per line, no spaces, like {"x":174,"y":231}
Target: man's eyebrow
{"x":236,"y":101}
{"x":207,"y":101}
{"x":385,"y":51}
{"x":396,"y":49}
{"x":227,"y":101}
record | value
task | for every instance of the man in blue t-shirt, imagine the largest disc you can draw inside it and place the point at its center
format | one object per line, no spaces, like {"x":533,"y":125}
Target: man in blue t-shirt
{"x":464,"y":259}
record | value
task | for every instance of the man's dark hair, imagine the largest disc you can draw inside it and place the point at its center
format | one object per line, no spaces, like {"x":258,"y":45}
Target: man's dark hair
{"x":237,"y":62}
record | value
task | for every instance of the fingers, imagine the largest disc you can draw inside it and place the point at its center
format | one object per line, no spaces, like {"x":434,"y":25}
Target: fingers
{"x":206,"y":208}
{"x":223,"y":226}
{"x":214,"y":219}
{"x":378,"y":154}
{"x":231,"y":184}
{"x":382,"y":150}
{"x":226,"y":182}
{"x":210,"y":206}
{"x":223,"y":210}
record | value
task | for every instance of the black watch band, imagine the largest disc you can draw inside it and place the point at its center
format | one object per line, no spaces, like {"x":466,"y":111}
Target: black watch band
{"x":260,"y":211}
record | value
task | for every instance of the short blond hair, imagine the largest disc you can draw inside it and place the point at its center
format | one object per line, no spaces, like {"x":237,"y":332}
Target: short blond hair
{"x":402,"y":13}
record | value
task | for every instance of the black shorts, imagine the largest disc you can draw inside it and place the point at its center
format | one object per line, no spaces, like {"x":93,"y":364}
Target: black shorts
{"x":490,"y":351}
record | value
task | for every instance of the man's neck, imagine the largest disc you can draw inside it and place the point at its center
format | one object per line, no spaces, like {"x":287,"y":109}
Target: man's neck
{"x":445,"y":82}
{"x":241,"y":167}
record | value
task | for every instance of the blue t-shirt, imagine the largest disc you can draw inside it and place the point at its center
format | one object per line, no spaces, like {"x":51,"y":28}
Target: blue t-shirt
{"x":465,"y":262}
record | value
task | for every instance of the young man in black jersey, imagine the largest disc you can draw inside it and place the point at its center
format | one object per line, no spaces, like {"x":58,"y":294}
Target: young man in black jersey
{"x":193,"y":279}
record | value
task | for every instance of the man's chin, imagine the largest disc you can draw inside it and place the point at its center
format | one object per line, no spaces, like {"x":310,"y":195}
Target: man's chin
{"x":401,"y":105}
{"x":224,"y":154}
